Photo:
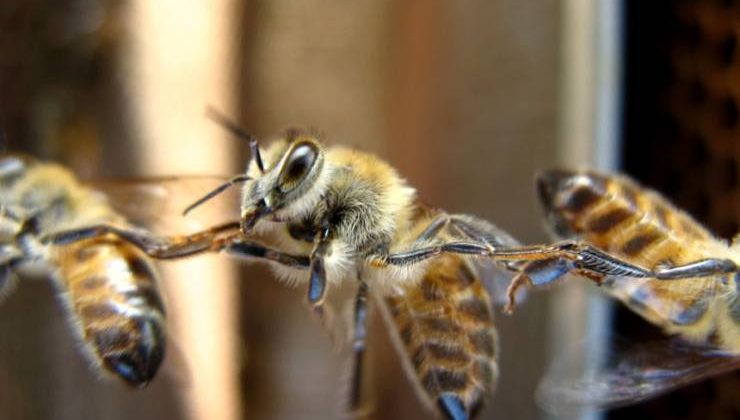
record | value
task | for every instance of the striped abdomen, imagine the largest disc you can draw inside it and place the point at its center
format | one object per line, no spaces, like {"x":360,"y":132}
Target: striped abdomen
{"x":641,"y":227}
{"x":446,"y":325}
{"x":620,"y":217}
{"x":111,"y":291}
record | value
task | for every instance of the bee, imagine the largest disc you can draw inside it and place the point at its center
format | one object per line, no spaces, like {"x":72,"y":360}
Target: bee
{"x":324,"y":215}
{"x":108,"y":286}
{"x":691,"y":291}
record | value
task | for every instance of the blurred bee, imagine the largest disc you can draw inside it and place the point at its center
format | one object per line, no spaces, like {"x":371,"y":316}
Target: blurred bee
{"x":692,"y":291}
{"x":325,"y":215}
{"x":108,"y":286}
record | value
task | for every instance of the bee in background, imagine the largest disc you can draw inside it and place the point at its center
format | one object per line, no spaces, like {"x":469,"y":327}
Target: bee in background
{"x":108,"y":286}
{"x":692,"y":291}
{"x":325,"y":215}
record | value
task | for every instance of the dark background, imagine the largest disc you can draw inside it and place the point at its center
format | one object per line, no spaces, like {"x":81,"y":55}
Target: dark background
{"x":681,"y":135}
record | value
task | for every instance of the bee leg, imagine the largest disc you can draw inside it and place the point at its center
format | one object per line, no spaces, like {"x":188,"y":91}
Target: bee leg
{"x":415,"y":255}
{"x":536,"y":274}
{"x":249,"y":249}
{"x":478,"y":237}
{"x":212,"y":239}
{"x":544,"y":264}
{"x":596,"y":265}
{"x":358,"y":346}
{"x":224,"y":238}
{"x":477,"y":233}
{"x":590,"y":261}
{"x":702,"y":268}
{"x":584,"y":257}
{"x":420,"y":254}
{"x":317,"y":281}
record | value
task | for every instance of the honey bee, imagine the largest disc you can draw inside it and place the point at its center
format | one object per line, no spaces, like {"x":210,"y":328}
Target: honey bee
{"x":323,"y":215}
{"x":691,"y":291}
{"x":108,"y":286}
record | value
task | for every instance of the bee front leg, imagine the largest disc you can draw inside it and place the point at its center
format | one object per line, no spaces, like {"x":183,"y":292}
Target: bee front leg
{"x":222,"y":238}
{"x":249,"y":249}
{"x":159,"y":247}
{"x":317,"y":281}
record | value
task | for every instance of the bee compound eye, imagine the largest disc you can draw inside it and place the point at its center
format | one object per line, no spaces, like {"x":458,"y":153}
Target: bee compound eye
{"x":298,"y":165}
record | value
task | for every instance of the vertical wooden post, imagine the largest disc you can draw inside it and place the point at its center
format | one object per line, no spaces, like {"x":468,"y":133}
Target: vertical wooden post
{"x":180,"y":63}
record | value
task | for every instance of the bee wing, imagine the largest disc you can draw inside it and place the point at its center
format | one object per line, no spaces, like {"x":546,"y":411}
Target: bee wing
{"x":496,"y":279}
{"x":632,"y":373}
{"x":496,"y":276}
{"x":157,"y":203}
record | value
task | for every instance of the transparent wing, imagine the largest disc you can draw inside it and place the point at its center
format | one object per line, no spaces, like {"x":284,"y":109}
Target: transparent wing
{"x":387,"y":309}
{"x":157,"y":203}
{"x":496,"y":279}
{"x":496,"y":276}
{"x":630,"y":374}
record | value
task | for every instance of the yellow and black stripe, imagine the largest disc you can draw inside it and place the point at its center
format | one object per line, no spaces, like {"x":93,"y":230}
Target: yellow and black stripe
{"x":446,"y":325}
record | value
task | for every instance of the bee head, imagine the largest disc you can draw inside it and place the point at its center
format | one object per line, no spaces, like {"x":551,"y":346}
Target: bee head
{"x":284,"y":181}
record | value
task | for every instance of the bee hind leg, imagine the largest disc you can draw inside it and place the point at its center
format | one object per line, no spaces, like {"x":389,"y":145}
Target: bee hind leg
{"x":576,"y":258}
{"x":702,"y":268}
{"x":536,"y":265}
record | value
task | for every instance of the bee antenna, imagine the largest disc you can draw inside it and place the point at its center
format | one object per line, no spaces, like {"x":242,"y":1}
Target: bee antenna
{"x":228,"y":124}
{"x":216,"y":191}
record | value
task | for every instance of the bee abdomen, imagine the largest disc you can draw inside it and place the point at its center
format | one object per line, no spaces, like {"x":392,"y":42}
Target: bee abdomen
{"x":618,"y":216}
{"x":112,"y":293}
{"x":130,"y":347}
{"x":446,"y":325}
